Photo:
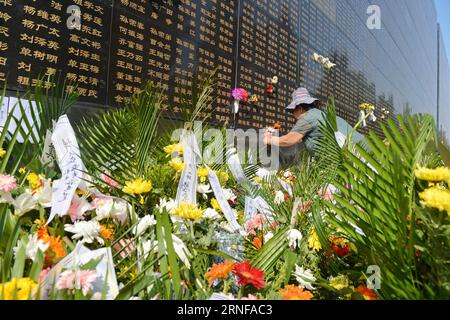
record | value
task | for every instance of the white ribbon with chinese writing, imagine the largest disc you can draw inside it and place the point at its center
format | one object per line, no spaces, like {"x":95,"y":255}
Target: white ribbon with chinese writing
{"x":255,"y":205}
{"x":250,"y":208}
{"x":223,"y":203}
{"x":263,"y":207}
{"x":187,"y":187}
{"x":70,"y":164}
{"x":236,"y":168}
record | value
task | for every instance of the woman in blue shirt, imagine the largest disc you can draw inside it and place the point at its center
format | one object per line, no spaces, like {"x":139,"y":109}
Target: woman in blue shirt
{"x":304,"y":108}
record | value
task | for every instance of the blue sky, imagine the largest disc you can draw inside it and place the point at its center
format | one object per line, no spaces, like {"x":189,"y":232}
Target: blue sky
{"x":443,"y":11}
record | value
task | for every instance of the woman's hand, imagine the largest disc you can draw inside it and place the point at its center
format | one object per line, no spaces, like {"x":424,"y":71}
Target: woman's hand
{"x":268,"y":137}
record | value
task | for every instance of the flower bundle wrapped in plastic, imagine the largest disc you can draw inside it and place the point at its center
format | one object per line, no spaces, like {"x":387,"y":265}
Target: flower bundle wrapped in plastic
{"x":239,"y":94}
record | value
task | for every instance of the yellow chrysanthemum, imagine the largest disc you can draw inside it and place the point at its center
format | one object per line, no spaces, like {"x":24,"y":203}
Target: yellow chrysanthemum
{"x":434,"y":175}
{"x":313,"y":241}
{"x":223,"y":176}
{"x":174,"y":148}
{"x":2,"y":152}
{"x":177,"y":164}
{"x":138,"y":186}
{"x":340,"y":282}
{"x":33,"y":180}
{"x":22,"y":170}
{"x":436,"y":198}
{"x":202,"y":173}
{"x":188,"y":211}
{"x":215,"y":205}
{"x":17,"y":289}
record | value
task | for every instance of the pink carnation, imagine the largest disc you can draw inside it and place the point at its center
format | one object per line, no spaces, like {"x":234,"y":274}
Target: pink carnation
{"x":7,"y":183}
{"x":81,"y":279}
{"x":240,"y":94}
{"x":254,"y":223}
{"x":110,"y":181}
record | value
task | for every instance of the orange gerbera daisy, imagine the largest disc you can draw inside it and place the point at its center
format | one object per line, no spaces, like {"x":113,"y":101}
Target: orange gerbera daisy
{"x":219,"y":271}
{"x":366,"y":293}
{"x":55,"y":250}
{"x":292,"y":292}
{"x":247,"y":274}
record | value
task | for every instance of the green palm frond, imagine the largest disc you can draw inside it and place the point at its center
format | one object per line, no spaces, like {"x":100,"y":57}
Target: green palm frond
{"x":24,"y":136}
{"x":121,"y":141}
{"x":328,"y":146}
{"x":377,"y":197}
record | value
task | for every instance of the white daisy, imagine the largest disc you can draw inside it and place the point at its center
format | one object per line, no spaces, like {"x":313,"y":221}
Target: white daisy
{"x":87,"y":231}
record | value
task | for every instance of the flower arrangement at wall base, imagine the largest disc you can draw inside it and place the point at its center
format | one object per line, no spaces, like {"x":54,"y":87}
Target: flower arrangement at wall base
{"x":151,"y":219}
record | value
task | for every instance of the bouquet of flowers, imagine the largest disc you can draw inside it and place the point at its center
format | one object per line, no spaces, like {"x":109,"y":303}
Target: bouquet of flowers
{"x":239,"y":94}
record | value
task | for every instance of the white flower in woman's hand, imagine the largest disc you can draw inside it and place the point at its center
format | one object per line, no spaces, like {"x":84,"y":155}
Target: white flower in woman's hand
{"x":87,"y":231}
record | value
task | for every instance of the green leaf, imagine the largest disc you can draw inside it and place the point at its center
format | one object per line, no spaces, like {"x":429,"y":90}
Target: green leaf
{"x":37,"y":266}
{"x":19,"y":262}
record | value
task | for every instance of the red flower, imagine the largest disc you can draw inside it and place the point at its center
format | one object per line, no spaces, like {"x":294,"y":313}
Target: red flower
{"x":340,"y":246}
{"x":247,"y":274}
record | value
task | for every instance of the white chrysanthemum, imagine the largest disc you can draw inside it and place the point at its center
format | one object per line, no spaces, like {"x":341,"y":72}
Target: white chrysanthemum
{"x":143,"y":224}
{"x":294,"y":236}
{"x":211,"y":213}
{"x":33,"y":246}
{"x":229,"y":195}
{"x":279,"y":197}
{"x":204,"y":189}
{"x":304,"y":277}
{"x":120,"y":210}
{"x":103,"y":208}
{"x":169,"y":205}
{"x":87,"y":231}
